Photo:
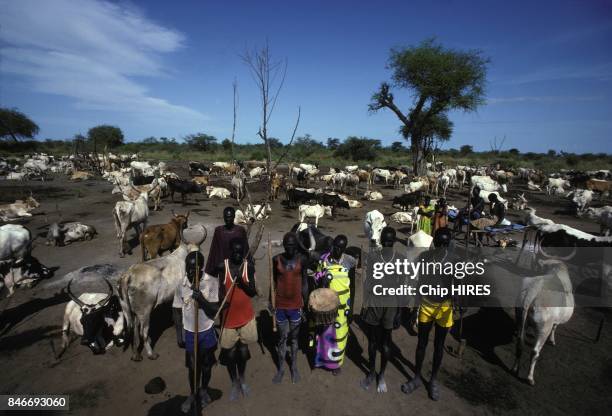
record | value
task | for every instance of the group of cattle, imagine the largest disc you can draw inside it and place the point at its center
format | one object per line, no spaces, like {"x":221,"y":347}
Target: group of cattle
{"x":152,"y":281}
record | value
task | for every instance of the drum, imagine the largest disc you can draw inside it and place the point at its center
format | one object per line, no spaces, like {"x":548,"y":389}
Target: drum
{"x":323,"y":304}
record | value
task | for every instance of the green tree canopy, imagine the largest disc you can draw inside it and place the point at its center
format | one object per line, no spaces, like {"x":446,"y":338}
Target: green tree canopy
{"x":201,"y":141}
{"x":16,"y":125}
{"x":105,"y":136}
{"x":439,"y":80}
{"x":398,"y":147}
{"x":466,"y":149}
{"x":358,"y":148}
{"x":275,"y":143}
{"x":332,"y":143}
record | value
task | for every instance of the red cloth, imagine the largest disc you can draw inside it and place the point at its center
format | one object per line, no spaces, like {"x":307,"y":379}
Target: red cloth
{"x":240,"y":311}
{"x":289,"y":286}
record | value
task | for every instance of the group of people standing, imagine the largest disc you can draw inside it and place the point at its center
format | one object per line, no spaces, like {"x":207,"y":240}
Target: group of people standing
{"x":226,"y":288}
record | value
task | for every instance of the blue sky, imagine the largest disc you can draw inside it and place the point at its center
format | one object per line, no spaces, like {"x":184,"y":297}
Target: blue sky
{"x":160,"y":68}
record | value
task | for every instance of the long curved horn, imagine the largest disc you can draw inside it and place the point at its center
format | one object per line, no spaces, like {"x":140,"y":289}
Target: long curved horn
{"x":110,"y":294}
{"x":73,"y":297}
{"x":564,"y":258}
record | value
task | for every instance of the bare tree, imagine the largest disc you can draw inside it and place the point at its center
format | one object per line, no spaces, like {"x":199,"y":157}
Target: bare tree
{"x":269,"y":76}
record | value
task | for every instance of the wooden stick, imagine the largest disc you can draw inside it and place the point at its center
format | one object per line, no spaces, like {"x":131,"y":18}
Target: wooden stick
{"x":272,"y":289}
{"x":196,"y":314}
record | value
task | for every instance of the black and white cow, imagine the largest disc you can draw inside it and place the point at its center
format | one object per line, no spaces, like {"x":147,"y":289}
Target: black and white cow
{"x":96,"y":317}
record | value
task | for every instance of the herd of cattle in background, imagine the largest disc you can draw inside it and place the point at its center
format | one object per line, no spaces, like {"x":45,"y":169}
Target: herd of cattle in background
{"x":143,"y":186}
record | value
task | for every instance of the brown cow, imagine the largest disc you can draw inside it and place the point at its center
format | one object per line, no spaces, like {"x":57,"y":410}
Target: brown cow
{"x":275,"y":186}
{"x":201,"y":180}
{"x":80,"y":175}
{"x":599,"y":185}
{"x":161,"y":237}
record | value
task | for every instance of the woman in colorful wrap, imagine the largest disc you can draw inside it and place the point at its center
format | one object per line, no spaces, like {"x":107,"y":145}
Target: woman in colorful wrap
{"x":333,"y":272}
{"x":426,"y":212}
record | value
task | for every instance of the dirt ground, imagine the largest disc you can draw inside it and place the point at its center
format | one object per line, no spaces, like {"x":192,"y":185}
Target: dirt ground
{"x":575,"y":377}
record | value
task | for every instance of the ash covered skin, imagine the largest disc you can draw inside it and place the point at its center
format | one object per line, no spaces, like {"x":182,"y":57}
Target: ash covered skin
{"x":379,"y":328}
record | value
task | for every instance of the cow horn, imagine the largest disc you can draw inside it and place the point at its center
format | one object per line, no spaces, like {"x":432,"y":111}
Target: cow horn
{"x":110,"y":294}
{"x":564,"y":258}
{"x":205,"y":232}
{"x":73,"y":297}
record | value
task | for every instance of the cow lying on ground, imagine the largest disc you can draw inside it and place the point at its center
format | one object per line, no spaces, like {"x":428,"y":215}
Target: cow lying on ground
{"x":96,"y":317}
{"x":18,"y":209}
{"x":62,"y":234}
{"x":217,"y":192}
{"x":252,"y":213}
{"x":163,"y":237}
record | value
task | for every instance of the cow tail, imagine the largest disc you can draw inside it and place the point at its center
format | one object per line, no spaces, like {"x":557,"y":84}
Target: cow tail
{"x":142,"y":246}
{"x":124,"y":299}
{"x":528,"y":300}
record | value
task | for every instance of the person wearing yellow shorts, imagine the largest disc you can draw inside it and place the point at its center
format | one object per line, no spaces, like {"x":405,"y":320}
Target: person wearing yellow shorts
{"x":434,"y":310}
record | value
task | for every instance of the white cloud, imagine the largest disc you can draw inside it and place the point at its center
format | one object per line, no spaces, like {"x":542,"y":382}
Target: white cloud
{"x":90,"y":51}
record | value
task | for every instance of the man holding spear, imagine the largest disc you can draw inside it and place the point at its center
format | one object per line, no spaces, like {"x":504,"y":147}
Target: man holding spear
{"x":200,"y":303}
{"x":236,"y":277}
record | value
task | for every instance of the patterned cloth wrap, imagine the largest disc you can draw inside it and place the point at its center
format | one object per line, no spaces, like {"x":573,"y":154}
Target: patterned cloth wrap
{"x":331,"y":340}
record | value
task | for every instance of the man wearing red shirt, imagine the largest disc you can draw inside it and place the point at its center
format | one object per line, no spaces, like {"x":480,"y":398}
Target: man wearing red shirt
{"x":237,"y":284}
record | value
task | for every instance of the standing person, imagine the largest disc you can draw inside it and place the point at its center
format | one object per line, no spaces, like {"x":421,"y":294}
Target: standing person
{"x":380,"y":320}
{"x":333,"y":272}
{"x":219,"y":246}
{"x":440,"y":216}
{"x":207,"y":301}
{"x":238,"y":329}
{"x":291,"y":284}
{"x":426,"y":213}
{"x":434,"y":310}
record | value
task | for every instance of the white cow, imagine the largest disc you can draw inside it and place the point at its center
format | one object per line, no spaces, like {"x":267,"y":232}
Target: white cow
{"x":556,"y":184}
{"x":252,"y":213}
{"x":105,"y":310}
{"x":314,"y":211}
{"x":603,"y":216}
{"x":373,"y":225}
{"x":18,"y":209}
{"x":419,"y":185}
{"x":532,"y":219}
{"x":485,"y":183}
{"x":256,"y":172}
{"x":217,"y":192}
{"x":15,"y":246}
{"x":485,"y":195}
{"x":351,"y":168}
{"x":443,"y":181}
{"x":382,"y":173}
{"x":372,"y":196}
{"x":581,"y":198}
{"x":17,"y":176}
{"x":534,"y":311}
{"x":533,"y":186}
{"x":69,"y":232}
{"x":131,"y":214}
